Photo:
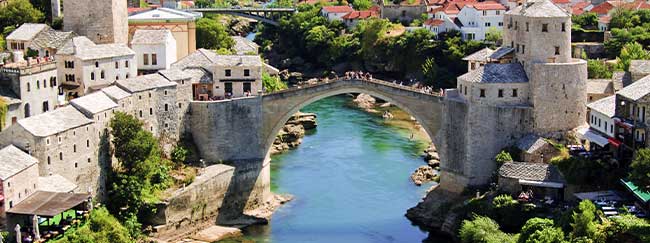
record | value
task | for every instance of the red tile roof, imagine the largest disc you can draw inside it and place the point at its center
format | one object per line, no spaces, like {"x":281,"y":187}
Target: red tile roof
{"x":136,"y":10}
{"x":488,"y":5}
{"x":434,"y":22}
{"x":338,"y":9}
{"x":561,"y":1}
{"x":579,"y":8}
{"x":360,"y":14}
{"x":604,"y":19}
{"x":604,"y":7}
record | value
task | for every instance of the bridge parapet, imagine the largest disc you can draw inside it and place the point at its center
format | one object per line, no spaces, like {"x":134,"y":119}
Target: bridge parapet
{"x":373,"y":80}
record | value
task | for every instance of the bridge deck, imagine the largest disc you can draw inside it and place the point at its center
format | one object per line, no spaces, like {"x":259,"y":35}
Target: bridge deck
{"x":243,"y":10}
{"x":373,"y":80}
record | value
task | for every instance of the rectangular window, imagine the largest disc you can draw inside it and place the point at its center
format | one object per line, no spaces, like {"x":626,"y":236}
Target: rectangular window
{"x":228,"y":73}
{"x":514,"y":92}
{"x":228,"y":89}
{"x":563,"y":27}
{"x":544,"y":27}
{"x":465,"y":91}
{"x":500,"y":93}
{"x":487,"y":24}
{"x":527,"y":27}
{"x":500,"y":23}
{"x":247,"y":87}
{"x":117,"y":65}
{"x":498,"y":12}
{"x":154,"y":59}
{"x":145,"y":59}
{"x":517,"y":48}
{"x":482,"y":93}
{"x":247,"y":72}
{"x":557,"y":50}
{"x":484,"y":12}
{"x":126,"y":63}
{"x":523,"y":49}
{"x":516,"y":25}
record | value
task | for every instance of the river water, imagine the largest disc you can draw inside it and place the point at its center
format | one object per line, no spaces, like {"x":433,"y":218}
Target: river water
{"x":350,"y":179}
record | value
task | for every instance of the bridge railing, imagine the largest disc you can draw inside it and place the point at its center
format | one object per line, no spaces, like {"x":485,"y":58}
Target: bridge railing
{"x":371,"y":80}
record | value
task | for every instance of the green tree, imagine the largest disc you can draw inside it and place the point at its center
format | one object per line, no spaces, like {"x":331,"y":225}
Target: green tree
{"x":18,"y":12}
{"x":586,"y":20}
{"x":2,"y":44}
{"x":584,"y":223}
{"x":533,"y":225}
{"x":547,"y":235}
{"x":361,"y":4}
{"x":203,"y":3}
{"x":211,"y":34}
{"x":102,"y":227}
{"x":597,"y":69}
{"x":272,"y":83}
{"x":493,"y":35}
{"x":430,"y":70}
{"x":631,"y":51}
{"x":503,"y":157}
{"x":483,"y":230}
{"x":640,"y":169}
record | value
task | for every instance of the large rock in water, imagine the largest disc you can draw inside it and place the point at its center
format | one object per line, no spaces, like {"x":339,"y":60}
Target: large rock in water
{"x":365,"y":101}
{"x":293,"y":131}
{"x":423,"y":174}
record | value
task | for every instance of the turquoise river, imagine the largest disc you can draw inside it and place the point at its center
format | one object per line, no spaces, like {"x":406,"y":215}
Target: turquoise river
{"x":350,"y":181}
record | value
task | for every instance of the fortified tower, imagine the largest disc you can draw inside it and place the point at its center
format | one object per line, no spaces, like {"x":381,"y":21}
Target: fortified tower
{"x":540,"y":34}
{"x":102,"y":21}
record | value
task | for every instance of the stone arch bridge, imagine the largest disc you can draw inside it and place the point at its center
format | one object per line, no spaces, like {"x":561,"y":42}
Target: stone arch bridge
{"x":265,"y":15}
{"x":239,"y":132}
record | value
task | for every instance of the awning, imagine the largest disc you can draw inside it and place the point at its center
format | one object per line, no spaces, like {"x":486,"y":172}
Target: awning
{"x":48,"y":204}
{"x":593,"y":137}
{"x":614,"y":141}
{"x":598,"y":195}
{"x":638,"y":193}
{"x":541,"y":183}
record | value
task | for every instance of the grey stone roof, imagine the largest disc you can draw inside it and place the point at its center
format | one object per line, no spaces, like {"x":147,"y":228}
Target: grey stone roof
{"x":50,"y":38}
{"x":531,"y":171}
{"x":237,"y":60}
{"x":13,"y":161}
{"x":606,"y":106}
{"x":481,"y":55}
{"x":94,"y":103}
{"x":600,"y":86}
{"x":497,"y":73}
{"x":85,"y":49}
{"x":27,"y":32}
{"x":55,"y":183}
{"x":531,"y":143}
{"x":640,"y":66}
{"x":58,"y":120}
{"x":115,"y":93}
{"x":198,"y":58}
{"x":636,"y":90}
{"x":175,"y":74}
{"x":539,"y":9}
{"x":244,"y":46}
{"x":199,"y":75}
{"x":148,"y":37}
{"x":144,"y":82}
{"x":501,"y":52}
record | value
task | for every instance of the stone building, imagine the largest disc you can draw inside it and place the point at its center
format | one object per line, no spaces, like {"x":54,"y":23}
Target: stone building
{"x":224,"y":76}
{"x":631,"y":115}
{"x":37,"y":37}
{"x":601,"y":123}
{"x":181,"y":24}
{"x":639,"y":69}
{"x":405,"y":11}
{"x":537,"y":90}
{"x":85,"y":67}
{"x":244,"y":46}
{"x":103,"y":22}
{"x":476,"y":18}
{"x":541,"y":178}
{"x":28,"y":89}
{"x":599,"y":88}
{"x":18,"y":178}
{"x":154,"y":50}
{"x":478,"y":59}
{"x":535,"y":149}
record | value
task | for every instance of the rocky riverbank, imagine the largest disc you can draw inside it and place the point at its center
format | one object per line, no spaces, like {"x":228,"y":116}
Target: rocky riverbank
{"x":293,"y":131}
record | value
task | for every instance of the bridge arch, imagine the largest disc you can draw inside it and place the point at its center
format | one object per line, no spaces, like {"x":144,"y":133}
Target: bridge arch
{"x":279,"y":107}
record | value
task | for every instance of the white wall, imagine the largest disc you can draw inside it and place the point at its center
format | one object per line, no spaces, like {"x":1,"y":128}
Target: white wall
{"x":165,"y":53}
{"x":602,"y":123}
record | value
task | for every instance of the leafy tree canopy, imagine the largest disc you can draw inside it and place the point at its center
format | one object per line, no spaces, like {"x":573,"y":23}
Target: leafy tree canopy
{"x":640,"y":169}
{"x":211,"y":34}
{"x":18,"y":12}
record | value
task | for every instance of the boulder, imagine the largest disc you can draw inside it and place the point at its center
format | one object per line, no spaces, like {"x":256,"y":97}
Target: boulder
{"x":365,"y":101}
{"x":423,"y":174}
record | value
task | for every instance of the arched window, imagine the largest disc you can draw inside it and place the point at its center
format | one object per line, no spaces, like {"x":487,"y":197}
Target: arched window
{"x":44,"y":83}
{"x":74,"y":148}
{"x":46,"y":106}
{"x":96,"y":64}
{"x":38,"y":84}
{"x":102,"y":74}
{"x":27,"y":110}
{"x":166,"y":107}
{"x":60,"y":155}
{"x":29,"y":87}
{"x":49,"y":161}
{"x":92,"y":76}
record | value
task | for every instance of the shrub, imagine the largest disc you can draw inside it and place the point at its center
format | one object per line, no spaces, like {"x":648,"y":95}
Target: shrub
{"x":533,"y":225}
{"x":503,"y":157}
{"x":483,"y":230}
{"x":179,"y":154}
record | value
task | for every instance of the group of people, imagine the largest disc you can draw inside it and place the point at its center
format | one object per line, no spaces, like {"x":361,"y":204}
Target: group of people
{"x":358,"y":75}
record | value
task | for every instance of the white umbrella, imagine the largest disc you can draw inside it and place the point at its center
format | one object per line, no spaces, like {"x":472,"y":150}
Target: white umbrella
{"x":19,"y":237}
{"x":37,"y":235}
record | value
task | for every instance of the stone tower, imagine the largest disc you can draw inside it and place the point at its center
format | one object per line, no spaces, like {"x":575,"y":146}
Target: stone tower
{"x":540,"y":34}
{"x":102,"y":21}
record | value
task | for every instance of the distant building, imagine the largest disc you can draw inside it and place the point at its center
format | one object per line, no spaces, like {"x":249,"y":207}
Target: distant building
{"x":103,"y":22}
{"x":477,"y":18}
{"x":478,"y":59}
{"x":181,"y":24}
{"x":631,"y":118}
{"x":599,"y":88}
{"x":405,"y":11}
{"x":18,"y":178}
{"x":544,"y":180}
{"x":601,"y":122}
{"x":352,"y":19}
{"x":335,"y":12}
{"x":639,"y":69}
{"x":36,"y":37}
{"x":85,"y":67}
{"x":535,"y":149}
{"x":154,"y":49}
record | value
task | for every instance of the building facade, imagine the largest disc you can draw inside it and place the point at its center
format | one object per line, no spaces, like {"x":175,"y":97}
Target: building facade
{"x":181,"y":24}
{"x":154,"y":49}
